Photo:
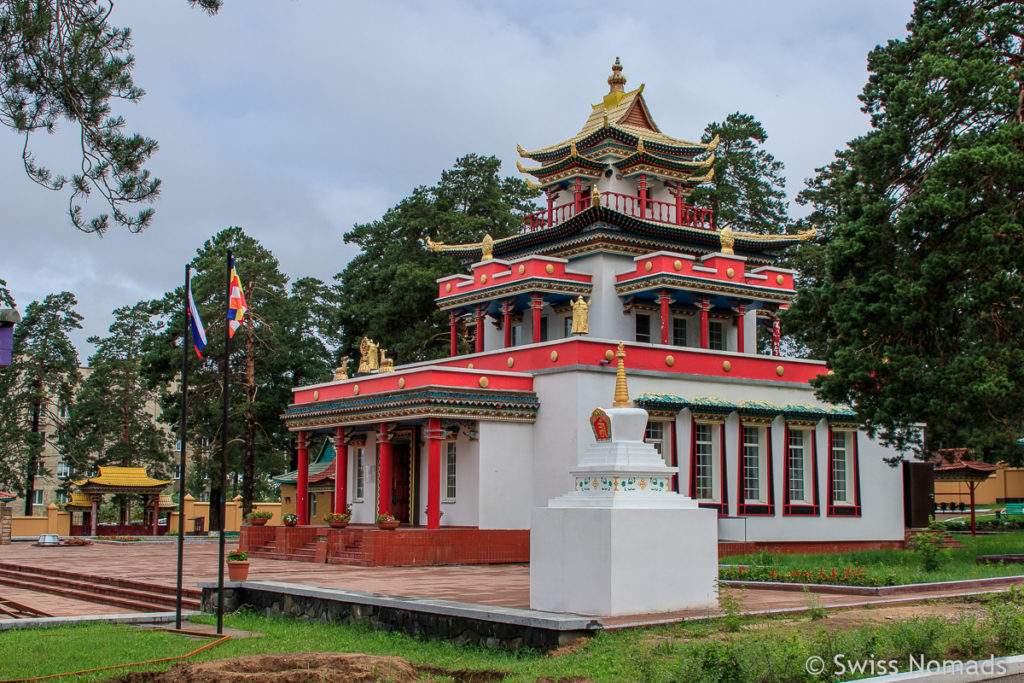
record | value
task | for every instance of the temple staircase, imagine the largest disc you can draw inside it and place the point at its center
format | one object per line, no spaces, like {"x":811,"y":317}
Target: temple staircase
{"x":137,"y":596}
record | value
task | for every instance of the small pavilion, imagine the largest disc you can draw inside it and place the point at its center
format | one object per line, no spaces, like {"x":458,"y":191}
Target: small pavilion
{"x":114,"y":480}
{"x":951,"y":464}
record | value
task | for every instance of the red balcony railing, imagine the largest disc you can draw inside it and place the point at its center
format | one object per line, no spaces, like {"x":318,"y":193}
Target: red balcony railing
{"x":675,"y":213}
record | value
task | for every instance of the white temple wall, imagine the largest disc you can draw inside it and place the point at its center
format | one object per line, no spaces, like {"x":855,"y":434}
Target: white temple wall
{"x":605,"y":316}
{"x":504,"y":475}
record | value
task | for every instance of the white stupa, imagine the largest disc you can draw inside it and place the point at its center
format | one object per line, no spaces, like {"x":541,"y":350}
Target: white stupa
{"x":621,"y":542}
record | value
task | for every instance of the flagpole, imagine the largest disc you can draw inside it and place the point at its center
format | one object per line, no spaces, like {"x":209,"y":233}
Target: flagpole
{"x":224,"y":457}
{"x":184,"y":415}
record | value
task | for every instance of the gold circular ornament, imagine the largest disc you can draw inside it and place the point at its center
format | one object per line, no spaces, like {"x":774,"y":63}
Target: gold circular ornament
{"x":511,"y":361}
{"x":522,"y":269}
{"x":316,"y":395}
{"x":448,"y":287}
{"x":670,"y":361}
{"x":483,"y":279}
{"x":549,"y":269}
{"x":648,"y":266}
{"x":678,"y":265}
{"x":470,"y":366}
{"x":609,"y":354}
{"x":355,"y":390}
{"x":726,"y":365}
{"x":401,"y":383}
{"x":730,"y":273}
{"x":554,"y":356}
{"x":780,"y":371}
{"x":780,"y":279}
{"x":484,"y":382}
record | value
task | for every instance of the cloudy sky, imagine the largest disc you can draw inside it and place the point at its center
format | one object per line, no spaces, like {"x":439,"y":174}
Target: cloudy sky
{"x":297,"y":119}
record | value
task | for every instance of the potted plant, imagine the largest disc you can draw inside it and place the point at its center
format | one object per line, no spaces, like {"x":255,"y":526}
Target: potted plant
{"x":339,"y":520}
{"x":238,"y":565}
{"x":258,"y":517}
{"x":291,"y":519}
{"x":387,"y":521}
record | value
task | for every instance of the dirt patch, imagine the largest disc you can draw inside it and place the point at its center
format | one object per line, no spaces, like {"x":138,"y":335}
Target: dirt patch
{"x":564,"y":679}
{"x":314,"y":667}
{"x":570,"y":648}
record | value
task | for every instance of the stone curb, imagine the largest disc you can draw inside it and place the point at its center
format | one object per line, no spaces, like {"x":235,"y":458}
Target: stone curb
{"x":908,"y":588}
{"x":133,"y":618}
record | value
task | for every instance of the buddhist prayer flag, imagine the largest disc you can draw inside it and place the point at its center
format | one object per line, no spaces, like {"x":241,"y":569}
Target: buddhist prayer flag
{"x":198,"y":331}
{"x":236,"y":300}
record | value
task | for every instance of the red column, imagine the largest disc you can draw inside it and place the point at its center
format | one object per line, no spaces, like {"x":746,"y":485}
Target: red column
{"x":384,"y":471}
{"x":536,"y":303}
{"x":971,"y":485}
{"x":577,"y":187}
{"x":776,"y":336}
{"x":551,"y":208}
{"x":506,"y":322}
{"x":643,"y":195}
{"x":704,"y":308}
{"x":453,"y":326}
{"x":340,"y":471}
{"x":156,"y":515}
{"x":94,"y":514}
{"x":479,"y":329}
{"x":741,"y":310}
{"x":664,"y":299}
{"x":434,"y":473}
{"x":302,"y":485}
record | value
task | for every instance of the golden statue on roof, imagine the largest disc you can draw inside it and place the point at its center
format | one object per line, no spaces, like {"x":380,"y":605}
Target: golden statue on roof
{"x":580,"y":316}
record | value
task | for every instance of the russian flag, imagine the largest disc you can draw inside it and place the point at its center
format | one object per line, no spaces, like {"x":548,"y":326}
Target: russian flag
{"x":198,"y":331}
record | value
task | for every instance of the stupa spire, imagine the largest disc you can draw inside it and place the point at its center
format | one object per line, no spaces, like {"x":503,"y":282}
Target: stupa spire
{"x":616,"y":81}
{"x":621,"y":399}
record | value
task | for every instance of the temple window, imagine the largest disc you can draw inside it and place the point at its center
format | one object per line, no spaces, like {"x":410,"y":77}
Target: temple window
{"x":716,"y":335}
{"x":654,"y":434}
{"x":359,"y":474}
{"x":544,"y":329}
{"x":37,"y":497}
{"x":755,"y":466}
{"x":449,"y":472}
{"x":800,"y":468}
{"x":643,"y":328}
{"x":567,"y":326}
{"x":517,"y":335}
{"x":705,"y":475}
{"x":843,"y":476}
{"x":678,"y":331}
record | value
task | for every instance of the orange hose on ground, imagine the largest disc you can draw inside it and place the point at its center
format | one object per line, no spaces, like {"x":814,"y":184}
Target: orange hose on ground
{"x":220,"y":639}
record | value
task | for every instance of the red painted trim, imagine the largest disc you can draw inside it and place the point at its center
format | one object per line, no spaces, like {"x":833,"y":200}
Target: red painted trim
{"x":452,"y":330}
{"x":537,"y":304}
{"x":674,"y":482}
{"x":739,"y":329}
{"x":340,"y":472}
{"x":501,"y":274}
{"x":712,"y":267}
{"x":723,"y":463}
{"x":756,"y":509}
{"x":844,"y":510}
{"x":302,"y":480}
{"x":434,"y":473}
{"x":801,"y":509}
{"x":384,"y":491}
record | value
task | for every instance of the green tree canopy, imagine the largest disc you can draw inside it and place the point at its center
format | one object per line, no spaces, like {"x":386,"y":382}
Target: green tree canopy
{"x":111,"y":421}
{"x":387,"y":291}
{"x":279,"y":346}
{"x":37,"y":386}
{"x":62,"y":60}
{"x":748,"y":192}
{"x":915,"y":298}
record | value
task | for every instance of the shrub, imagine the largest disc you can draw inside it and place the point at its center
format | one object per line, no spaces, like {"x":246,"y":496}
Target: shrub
{"x":928,"y":545}
{"x":258,"y":514}
{"x":290,"y":518}
{"x":387,"y":517}
{"x":337,"y":517}
{"x":237,"y":556}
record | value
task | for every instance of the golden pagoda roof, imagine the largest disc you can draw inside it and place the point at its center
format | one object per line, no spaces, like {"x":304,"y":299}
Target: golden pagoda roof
{"x":121,"y":478}
{"x":624,"y":112}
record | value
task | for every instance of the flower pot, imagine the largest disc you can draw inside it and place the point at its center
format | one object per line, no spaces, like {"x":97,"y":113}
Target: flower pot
{"x":290,"y":522}
{"x":238,"y":570}
{"x":258,"y":521}
{"x":337,"y":523}
{"x":388,"y":526}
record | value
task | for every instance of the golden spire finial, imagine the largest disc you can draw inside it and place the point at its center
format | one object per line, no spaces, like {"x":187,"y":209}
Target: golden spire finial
{"x":640,"y":145}
{"x":572,"y":150}
{"x":616,"y":81}
{"x":621,"y":391}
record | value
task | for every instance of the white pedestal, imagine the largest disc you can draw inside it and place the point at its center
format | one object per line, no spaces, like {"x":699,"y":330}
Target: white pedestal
{"x":605,"y":561}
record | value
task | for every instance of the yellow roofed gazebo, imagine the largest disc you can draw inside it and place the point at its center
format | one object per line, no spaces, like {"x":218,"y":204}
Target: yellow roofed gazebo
{"x":126,"y":480}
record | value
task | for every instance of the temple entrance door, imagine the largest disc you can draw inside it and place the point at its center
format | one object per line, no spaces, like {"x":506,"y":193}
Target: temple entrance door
{"x":400,"y":482}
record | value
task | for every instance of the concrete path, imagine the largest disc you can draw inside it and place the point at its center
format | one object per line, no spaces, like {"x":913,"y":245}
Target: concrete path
{"x":501,"y":585}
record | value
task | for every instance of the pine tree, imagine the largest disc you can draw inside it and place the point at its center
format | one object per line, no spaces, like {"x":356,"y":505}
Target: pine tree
{"x":915,"y":297}
{"x":62,"y":60}
{"x":36,"y":387}
{"x":387,"y":291}
{"x":748,"y":192}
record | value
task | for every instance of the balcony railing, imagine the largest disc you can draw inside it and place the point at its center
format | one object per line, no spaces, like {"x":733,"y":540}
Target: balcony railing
{"x":638,"y":207}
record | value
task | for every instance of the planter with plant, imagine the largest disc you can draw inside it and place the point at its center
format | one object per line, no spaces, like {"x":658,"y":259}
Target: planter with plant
{"x":339,"y":520}
{"x":238,"y":565}
{"x":387,"y":521}
{"x":291,"y":519}
{"x":258,"y":517}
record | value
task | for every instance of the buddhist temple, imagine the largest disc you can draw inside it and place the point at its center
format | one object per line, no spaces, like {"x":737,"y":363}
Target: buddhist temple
{"x":467,"y":446}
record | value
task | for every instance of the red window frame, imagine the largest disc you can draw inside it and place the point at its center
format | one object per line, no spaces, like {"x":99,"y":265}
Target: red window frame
{"x":802,"y":509}
{"x":722,"y":506}
{"x":844,"y":509}
{"x":755,"y":509}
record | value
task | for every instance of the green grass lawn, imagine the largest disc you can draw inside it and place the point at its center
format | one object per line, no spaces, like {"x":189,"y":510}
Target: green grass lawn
{"x":702,"y":651}
{"x":891,"y":567}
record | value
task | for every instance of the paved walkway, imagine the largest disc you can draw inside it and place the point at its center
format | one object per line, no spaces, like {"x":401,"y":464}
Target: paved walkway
{"x":505,"y":585}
